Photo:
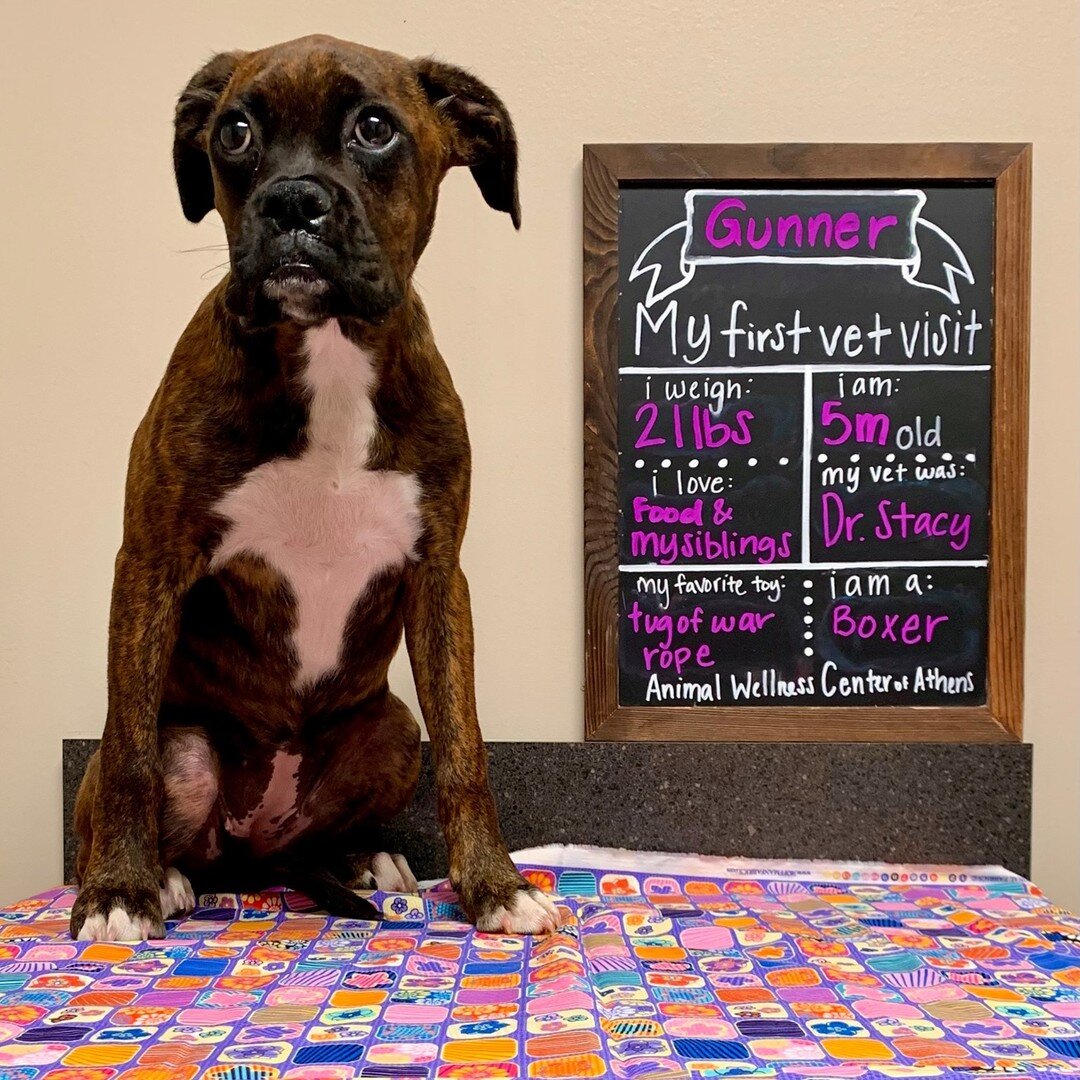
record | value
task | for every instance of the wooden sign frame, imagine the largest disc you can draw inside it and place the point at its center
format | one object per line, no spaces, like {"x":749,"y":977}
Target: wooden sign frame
{"x":1007,"y":166}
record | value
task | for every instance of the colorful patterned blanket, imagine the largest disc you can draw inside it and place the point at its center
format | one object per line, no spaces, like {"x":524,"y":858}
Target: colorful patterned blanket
{"x":765,"y":970}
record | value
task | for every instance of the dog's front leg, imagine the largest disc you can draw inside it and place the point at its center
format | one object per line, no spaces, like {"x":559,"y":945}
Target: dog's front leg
{"x":119,"y":894}
{"x":440,"y":638}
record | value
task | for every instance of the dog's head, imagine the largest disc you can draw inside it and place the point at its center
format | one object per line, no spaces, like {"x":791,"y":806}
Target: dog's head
{"x":324,"y":160}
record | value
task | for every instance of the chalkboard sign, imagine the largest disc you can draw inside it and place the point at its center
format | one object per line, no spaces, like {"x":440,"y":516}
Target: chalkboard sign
{"x":805,"y":441}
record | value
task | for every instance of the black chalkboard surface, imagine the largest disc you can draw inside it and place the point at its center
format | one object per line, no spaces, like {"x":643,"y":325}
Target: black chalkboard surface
{"x":805,"y":435}
{"x":804,"y":441}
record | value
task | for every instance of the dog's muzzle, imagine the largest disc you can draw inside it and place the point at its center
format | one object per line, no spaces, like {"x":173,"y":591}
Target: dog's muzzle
{"x":306,"y":253}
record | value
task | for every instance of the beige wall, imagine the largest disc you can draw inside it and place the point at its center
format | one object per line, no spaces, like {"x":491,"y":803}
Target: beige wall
{"x":97,"y":285}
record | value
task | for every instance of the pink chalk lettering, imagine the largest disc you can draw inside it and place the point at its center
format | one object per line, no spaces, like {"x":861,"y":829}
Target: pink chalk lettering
{"x":702,"y":545}
{"x":730,"y":225}
{"x":650,"y":410}
{"x":916,"y":629}
{"x":734,"y":229}
{"x":663,"y":513}
{"x":910,"y":524}
{"x":837,"y":524}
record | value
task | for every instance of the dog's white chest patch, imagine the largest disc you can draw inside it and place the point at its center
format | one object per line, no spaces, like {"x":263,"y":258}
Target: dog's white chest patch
{"x":324,"y":521}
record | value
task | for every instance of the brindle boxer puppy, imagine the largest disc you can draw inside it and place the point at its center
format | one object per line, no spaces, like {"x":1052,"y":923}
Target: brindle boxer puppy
{"x":296,"y":498}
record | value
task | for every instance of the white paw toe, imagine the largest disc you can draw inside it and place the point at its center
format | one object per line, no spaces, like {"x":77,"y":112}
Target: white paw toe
{"x":408,"y":881}
{"x":392,"y":873}
{"x":177,"y":895}
{"x":530,"y":912}
{"x":117,"y":925}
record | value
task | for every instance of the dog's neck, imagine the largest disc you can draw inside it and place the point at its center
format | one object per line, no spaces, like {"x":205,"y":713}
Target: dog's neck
{"x":404,"y":330}
{"x":257,"y":384}
{"x":340,"y":380}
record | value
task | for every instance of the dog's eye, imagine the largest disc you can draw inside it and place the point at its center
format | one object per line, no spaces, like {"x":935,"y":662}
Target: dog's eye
{"x":234,"y":135}
{"x":373,"y":130}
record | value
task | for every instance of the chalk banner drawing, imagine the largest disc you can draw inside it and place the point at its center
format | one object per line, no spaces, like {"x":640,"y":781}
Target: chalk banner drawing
{"x":804,"y":423}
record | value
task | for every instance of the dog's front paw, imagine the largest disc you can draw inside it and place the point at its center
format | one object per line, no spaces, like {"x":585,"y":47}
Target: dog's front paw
{"x":509,"y":906}
{"x":117,"y":913}
{"x":529,"y":911}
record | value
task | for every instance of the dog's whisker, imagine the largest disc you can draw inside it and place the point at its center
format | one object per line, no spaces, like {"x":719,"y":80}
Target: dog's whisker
{"x":208,"y":247}
{"x":206,"y":273}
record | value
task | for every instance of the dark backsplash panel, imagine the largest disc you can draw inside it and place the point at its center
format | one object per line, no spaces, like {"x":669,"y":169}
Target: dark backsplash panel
{"x":929,"y":803}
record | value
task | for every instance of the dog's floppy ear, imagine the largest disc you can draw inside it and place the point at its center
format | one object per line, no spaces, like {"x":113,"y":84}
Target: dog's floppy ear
{"x":190,"y":159}
{"x":482,"y":132}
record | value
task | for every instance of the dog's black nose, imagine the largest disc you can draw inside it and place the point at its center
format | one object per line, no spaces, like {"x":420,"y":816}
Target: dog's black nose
{"x":296,"y":204}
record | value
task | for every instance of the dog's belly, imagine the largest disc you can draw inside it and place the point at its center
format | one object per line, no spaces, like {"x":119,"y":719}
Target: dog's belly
{"x":257,"y":802}
{"x":275,"y":817}
{"x":324,"y":521}
{"x":231,"y":792}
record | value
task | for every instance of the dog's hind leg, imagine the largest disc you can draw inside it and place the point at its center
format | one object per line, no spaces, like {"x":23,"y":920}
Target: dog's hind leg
{"x":389,"y":794}
{"x":191,"y":781}
{"x":84,"y":814}
{"x":368,"y":766}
